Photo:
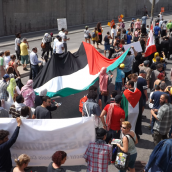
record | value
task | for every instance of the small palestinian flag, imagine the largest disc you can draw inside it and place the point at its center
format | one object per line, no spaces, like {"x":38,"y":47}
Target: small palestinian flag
{"x":69,"y":73}
{"x":130,"y":104}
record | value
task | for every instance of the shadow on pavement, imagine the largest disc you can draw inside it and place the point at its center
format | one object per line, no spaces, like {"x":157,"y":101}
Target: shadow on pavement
{"x":145,"y":144}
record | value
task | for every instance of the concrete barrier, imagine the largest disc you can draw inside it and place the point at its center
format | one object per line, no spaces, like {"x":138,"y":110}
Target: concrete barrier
{"x":30,"y":15}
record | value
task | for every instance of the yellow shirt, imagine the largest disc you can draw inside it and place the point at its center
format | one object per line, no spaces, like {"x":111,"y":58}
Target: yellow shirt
{"x":96,"y":38}
{"x":23,"y":49}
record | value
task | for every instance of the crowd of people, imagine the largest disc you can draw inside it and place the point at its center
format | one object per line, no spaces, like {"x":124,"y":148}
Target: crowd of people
{"x":122,"y":114}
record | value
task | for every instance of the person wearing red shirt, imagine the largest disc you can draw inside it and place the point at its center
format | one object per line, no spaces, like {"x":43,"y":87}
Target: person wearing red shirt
{"x":115,"y":116}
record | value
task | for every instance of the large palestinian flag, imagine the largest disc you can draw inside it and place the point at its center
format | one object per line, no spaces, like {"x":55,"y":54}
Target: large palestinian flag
{"x":71,"y":73}
{"x":130,"y":104}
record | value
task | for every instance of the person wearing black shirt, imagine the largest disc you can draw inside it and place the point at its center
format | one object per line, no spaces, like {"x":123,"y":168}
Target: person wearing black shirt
{"x":5,"y":145}
{"x":165,"y":45}
{"x":112,"y":97}
{"x":38,"y":101}
{"x":170,"y":46}
{"x":41,"y":112}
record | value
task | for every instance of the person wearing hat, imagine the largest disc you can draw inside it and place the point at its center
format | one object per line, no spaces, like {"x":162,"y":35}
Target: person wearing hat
{"x":145,"y":66}
{"x":3,"y":87}
{"x":98,"y":153}
{"x":119,"y":83}
{"x":157,"y":30}
{"x":115,"y":115}
{"x":87,"y":34}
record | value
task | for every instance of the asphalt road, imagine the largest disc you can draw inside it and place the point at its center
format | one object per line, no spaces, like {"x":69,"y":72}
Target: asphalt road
{"x":69,"y":108}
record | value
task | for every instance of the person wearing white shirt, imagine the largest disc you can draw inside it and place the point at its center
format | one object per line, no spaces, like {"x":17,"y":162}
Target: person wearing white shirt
{"x":59,"y":46}
{"x":34,"y":62}
{"x":54,"y":45}
{"x":113,"y":33}
{"x":160,"y":23}
{"x":17,"y":47}
{"x":62,"y":33}
{"x":7,"y":59}
{"x":160,"y":16}
{"x":64,"y":40}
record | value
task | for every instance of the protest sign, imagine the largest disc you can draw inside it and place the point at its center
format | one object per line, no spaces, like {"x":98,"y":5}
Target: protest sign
{"x":41,"y":138}
{"x":162,"y":9}
{"x":62,"y":23}
{"x":136,"y":45}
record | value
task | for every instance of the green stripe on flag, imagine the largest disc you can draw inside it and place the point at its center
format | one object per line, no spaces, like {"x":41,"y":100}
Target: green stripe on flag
{"x":124,"y":105}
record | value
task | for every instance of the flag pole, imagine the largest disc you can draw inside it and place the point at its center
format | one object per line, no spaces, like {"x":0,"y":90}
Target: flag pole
{"x":152,"y":11}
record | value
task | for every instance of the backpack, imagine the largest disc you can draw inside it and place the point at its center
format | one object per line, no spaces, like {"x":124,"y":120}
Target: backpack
{"x":81,"y":102}
{"x":93,"y":35}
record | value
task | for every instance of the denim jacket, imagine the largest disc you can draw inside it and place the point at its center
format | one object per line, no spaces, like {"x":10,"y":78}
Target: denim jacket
{"x":161,"y":156}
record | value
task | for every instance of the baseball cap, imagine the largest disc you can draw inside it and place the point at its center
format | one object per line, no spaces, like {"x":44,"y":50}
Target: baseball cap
{"x":133,"y":18}
{"x":86,"y":27}
{"x":146,"y":62}
{"x":122,"y":65}
{"x":100,"y":133}
{"x":118,"y":98}
{"x":6,"y":76}
{"x":163,"y":86}
{"x":142,"y":71}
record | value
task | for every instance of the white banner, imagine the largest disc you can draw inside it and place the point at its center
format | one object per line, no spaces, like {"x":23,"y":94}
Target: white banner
{"x":41,"y":138}
{"x":136,"y":45}
{"x":62,"y":23}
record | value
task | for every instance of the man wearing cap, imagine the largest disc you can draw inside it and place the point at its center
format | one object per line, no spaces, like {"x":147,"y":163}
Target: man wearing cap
{"x":157,"y":30}
{"x":3,"y":87}
{"x":147,"y":69}
{"x":142,"y":86}
{"x":163,"y":120}
{"x":115,"y":116}
{"x":155,"y":99}
{"x":98,"y":153}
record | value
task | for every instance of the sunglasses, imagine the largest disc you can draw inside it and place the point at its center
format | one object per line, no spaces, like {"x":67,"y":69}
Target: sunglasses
{"x":123,"y":127}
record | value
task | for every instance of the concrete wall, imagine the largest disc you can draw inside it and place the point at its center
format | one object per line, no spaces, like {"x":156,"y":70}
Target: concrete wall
{"x":35,"y":15}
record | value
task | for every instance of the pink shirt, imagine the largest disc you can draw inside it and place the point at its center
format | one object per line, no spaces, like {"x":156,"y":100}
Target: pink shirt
{"x":29,"y":97}
{"x":137,"y":25}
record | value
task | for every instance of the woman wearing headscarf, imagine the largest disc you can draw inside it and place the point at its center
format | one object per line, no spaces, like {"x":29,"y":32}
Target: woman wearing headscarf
{"x":104,"y":81}
{"x":13,"y":90}
{"x":45,"y":45}
{"x":38,"y":101}
{"x":28,"y":94}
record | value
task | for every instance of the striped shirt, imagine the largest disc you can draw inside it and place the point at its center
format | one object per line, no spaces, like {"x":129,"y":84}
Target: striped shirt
{"x":164,"y":122}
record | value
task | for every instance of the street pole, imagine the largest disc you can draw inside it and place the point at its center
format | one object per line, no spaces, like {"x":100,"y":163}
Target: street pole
{"x":152,"y":10}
